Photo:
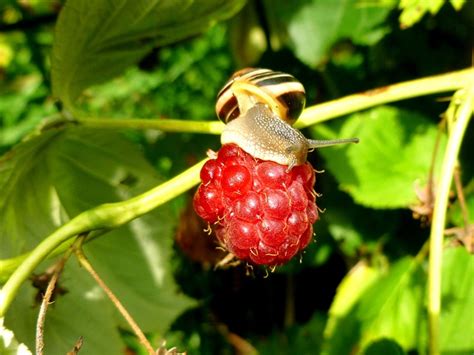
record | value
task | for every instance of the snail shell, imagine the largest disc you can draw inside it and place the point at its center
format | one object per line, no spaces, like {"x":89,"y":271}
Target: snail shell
{"x":259,"y":106}
{"x":283,"y":93}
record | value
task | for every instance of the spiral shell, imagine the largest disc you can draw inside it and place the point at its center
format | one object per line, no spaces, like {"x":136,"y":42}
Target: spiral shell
{"x":281,"y":92}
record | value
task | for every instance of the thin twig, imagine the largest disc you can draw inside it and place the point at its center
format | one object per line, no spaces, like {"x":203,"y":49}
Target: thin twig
{"x":77,"y":347}
{"x":136,"y":329}
{"x":58,"y":268}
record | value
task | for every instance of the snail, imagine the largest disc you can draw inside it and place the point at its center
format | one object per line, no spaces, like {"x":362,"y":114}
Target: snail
{"x":259,"y":107}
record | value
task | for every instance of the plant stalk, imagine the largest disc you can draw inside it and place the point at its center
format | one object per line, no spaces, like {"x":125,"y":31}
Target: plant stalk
{"x":458,"y":129}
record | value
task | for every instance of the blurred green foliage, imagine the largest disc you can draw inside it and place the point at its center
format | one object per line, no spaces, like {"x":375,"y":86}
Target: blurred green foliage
{"x":359,"y":287}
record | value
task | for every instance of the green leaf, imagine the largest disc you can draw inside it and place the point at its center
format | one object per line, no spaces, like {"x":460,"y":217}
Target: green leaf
{"x":313,"y":27}
{"x":95,"y":41}
{"x":50,"y":179}
{"x":370,"y":306}
{"x":457,"y":4}
{"x":391,"y":161}
{"x":342,"y":329}
{"x":413,"y":10}
{"x":457,"y":306}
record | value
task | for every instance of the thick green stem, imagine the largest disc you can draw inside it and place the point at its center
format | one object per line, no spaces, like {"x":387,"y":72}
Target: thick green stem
{"x":111,"y":215}
{"x":396,"y":92}
{"x":463,"y":115}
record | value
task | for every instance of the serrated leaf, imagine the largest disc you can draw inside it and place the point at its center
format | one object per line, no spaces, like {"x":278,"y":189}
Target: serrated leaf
{"x":457,"y":306}
{"x":413,"y":10}
{"x":97,"y":40}
{"x":52,"y":178}
{"x":393,"y":157}
{"x":313,"y":27}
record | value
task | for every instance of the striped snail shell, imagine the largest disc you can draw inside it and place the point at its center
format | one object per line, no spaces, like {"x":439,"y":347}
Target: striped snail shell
{"x":283,"y":93}
{"x":259,"y":107}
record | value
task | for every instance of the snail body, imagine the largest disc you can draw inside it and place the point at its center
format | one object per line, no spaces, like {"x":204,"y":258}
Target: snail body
{"x":259,"y":107}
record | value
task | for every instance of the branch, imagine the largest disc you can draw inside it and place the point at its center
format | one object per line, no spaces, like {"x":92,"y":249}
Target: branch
{"x":462,"y":116}
{"x":311,"y":115}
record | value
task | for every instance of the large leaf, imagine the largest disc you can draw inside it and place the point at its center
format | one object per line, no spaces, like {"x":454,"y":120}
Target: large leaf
{"x":52,"y":178}
{"x":313,"y":27}
{"x":97,"y":40}
{"x":391,"y":161}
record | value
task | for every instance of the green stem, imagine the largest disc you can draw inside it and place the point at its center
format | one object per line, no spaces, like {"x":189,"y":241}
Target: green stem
{"x":396,"y":92}
{"x":464,"y":113}
{"x":162,"y":124}
{"x":110,"y":215}
{"x":313,"y":114}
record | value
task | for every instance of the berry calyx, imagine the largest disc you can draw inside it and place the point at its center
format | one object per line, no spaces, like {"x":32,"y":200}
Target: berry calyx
{"x":260,"y":212}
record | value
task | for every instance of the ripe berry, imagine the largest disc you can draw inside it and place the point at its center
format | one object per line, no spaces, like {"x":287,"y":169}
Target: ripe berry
{"x":261,"y":213}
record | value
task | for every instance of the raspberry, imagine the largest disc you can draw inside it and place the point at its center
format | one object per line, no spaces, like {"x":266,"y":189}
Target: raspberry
{"x":262,"y":213}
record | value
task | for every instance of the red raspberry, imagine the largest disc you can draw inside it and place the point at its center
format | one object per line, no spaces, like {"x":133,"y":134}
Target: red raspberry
{"x":263,"y":214}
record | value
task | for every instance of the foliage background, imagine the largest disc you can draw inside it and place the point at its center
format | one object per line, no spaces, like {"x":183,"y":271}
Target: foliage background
{"x":361,"y":285}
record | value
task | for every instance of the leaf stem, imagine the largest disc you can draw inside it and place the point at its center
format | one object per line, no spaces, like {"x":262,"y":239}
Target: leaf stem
{"x":110,"y":215}
{"x":463,"y":115}
{"x":311,"y":115}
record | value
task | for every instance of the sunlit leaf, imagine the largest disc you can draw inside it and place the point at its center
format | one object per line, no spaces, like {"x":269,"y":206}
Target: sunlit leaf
{"x":342,"y":329}
{"x":413,"y":10}
{"x":96,"y":41}
{"x":50,"y":179}
{"x":392,"y":160}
